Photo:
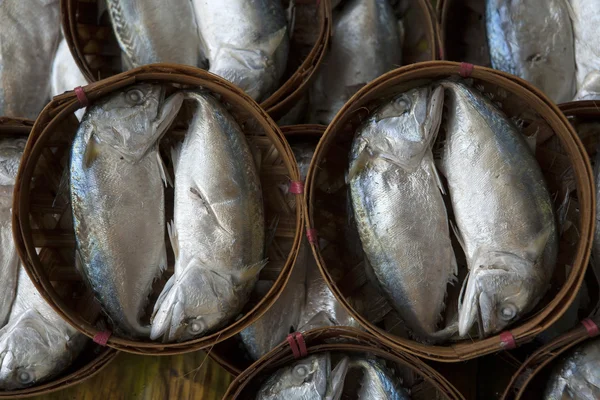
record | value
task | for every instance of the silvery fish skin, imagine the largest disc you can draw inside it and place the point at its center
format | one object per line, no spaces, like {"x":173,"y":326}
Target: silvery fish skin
{"x":505,"y":219}
{"x":399,"y":209}
{"x":29,"y":36}
{"x":117,"y":199}
{"x":590,"y":89}
{"x":66,"y":75}
{"x":10,"y":156}
{"x":365,"y":27}
{"x":377,"y":381}
{"x":534,"y":40}
{"x":576,"y":375}
{"x":282,"y":318}
{"x":310,"y":378}
{"x":36,"y":344}
{"x":246,"y":42}
{"x":586,"y":26}
{"x":218,"y":228}
{"x":152,"y":31}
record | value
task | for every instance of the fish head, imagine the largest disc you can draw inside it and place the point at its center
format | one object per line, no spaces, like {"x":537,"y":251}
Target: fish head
{"x":32,"y":351}
{"x":309,"y":378}
{"x":198,"y":301}
{"x":500,"y":289}
{"x":132,"y":120}
{"x":11,"y":151}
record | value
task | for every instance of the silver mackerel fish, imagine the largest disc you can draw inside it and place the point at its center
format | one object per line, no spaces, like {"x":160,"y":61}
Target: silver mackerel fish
{"x":365,"y":27}
{"x":29,"y":35}
{"x":218,"y":228}
{"x":245,"y":41}
{"x":577,"y":375}
{"x":586,"y":26}
{"x":377,"y":382}
{"x":399,"y":209}
{"x":503,"y":211}
{"x":153,"y":31}
{"x":117,"y":197}
{"x":533,"y":39}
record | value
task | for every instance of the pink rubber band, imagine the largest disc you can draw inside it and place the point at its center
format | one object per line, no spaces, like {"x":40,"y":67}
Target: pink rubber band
{"x":591,"y":327}
{"x":101,"y":338}
{"x":466,"y":70}
{"x":311,"y":235}
{"x":301,"y":343}
{"x":81,"y":97}
{"x":508,"y":341}
{"x":296,"y":187}
{"x":292,"y":342}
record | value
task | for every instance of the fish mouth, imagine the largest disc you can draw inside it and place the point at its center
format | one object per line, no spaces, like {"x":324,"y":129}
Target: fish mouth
{"x":167,"y":321}
{"x":337,"y":378}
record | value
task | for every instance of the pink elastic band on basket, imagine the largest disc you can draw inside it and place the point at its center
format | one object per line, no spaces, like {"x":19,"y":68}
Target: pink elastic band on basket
{"x":81,"y":97}
{"x":311,"y":235}
{"x":466,"y":70}
{"x":102,"y":337}
{"x":591,"y":327}
{"x":508,"y":341}
{"x":298,"y":345}
{"x":296,"y":187}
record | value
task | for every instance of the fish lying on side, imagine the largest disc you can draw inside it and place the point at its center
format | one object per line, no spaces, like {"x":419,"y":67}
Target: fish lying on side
{"x":576,"y":375}
{"x":365,"y":27}
{"x":29,"y":35}
{"x":590,"y":88}
{"x":66,"y":75}
{"x":246,"y":42}
{"x":310,"y":378}
{"x":153,"y":31}
{"x":399,"y":209}
{"x":36,"y":344}
{"x":534,"y":40}
{"x":505,"y":219}
{"x":586,"y":27}
{"x":218,"y":228}
{"x":376,"y":381}
{"x":10,"y":156}
{"x":118,"y":201}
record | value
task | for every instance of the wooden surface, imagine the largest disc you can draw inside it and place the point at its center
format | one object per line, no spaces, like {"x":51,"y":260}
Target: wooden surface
{"x":188,"y":376}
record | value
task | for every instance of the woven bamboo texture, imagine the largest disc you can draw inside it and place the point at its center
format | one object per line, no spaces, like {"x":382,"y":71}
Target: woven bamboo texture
{"x":326,"y":199}
{"x":422,"y":380}
{"x":42,"y":219}
{"x":93,"y":44}
{"x":93,"y":358}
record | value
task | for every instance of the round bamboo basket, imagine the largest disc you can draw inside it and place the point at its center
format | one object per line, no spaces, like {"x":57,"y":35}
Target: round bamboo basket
{"x":530,"y":380}
{"x":422,"y":380}
{"x":462,"y":31}
{"x":95,"y":49}
{"x":230,"y":354}
{"x":93,"y":358}
{"x":47,"y":155}
{"x":326,"y":190}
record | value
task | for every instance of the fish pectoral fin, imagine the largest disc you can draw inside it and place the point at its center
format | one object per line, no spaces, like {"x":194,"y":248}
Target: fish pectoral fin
{"x":434,"y":172}
{"x":91,"y":152}
{"x":175,"y":155}
{"x":164,"y":174}
{"x":249,"y":272}
{"x":458,"y":235}
{"x":359,"y":164}
{"x":173,"y":238}
{"x":535,"y":249}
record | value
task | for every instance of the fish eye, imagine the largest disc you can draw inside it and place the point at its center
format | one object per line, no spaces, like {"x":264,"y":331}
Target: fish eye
{"x":301,"y":371}
{"x":134,"y":96}
{"x":403,"y":104}
{"x":508,"y":312}
{"x":196,"y":326}
{"x":24,"y":377}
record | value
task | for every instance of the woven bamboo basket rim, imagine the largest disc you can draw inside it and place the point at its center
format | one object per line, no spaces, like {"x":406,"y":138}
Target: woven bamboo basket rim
{"x":276,"y":105}
{"x":543,"y":357}
{"x":15,"y":127}
{"x":585,"y":108}
{"x":315,"y":340}
{"x":525,"y":330}
{"x":290,"y":131}
{"x":64,"y":106}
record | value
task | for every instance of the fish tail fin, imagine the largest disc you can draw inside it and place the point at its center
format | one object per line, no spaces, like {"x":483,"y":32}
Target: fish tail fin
{"x":173,"y":238}
{"x":164,"y":173}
